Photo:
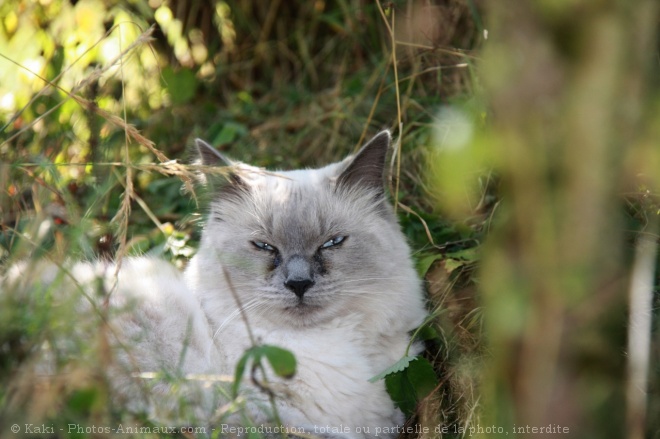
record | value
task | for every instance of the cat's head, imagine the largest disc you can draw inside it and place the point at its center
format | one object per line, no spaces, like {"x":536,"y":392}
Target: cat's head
{"x":300,"y":247}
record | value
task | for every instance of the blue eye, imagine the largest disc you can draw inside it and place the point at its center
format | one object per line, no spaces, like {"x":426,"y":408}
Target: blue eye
{"x":334,"y":241}
{"x":264,"y":246}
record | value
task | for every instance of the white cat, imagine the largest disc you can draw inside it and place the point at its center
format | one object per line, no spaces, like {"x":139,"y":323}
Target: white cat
{"x":319,"y":266}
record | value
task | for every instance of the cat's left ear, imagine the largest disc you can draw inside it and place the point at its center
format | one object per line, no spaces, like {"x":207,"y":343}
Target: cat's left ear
{"x":210,"y":156}
{"x":367,"y":167}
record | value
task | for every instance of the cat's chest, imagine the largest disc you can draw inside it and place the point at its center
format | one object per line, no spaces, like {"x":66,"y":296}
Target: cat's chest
{"x":334,"y":365}
{"x":336,"y":348}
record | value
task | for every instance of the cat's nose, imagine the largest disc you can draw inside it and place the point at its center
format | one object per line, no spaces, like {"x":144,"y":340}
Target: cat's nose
{"x":299,"y":286}
{"x":299,"y":277}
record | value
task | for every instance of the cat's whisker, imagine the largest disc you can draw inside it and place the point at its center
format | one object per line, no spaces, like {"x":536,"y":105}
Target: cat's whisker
{"x":237,"y":312}
{"x":362,"y":279}
{"x":355,"y":293}
{"x":335,"y":291}
{"x":260,"y":310}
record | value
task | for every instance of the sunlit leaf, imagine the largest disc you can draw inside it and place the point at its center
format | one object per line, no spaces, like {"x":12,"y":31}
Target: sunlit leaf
{"x":452,"y":264}
{"x":425,"y":262}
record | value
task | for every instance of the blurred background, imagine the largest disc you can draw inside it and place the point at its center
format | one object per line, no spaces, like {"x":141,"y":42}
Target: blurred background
{"x":525,"y":176}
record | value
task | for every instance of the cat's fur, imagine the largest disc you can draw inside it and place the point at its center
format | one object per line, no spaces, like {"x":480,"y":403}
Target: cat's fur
{"x":345,"y":311}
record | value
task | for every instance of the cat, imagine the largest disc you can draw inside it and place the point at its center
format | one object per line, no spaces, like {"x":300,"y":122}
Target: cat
{"x":312,"y":261}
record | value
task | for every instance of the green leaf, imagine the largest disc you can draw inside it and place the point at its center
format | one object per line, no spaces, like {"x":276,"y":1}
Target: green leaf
{"x":459,"y":258}
{"x":181,"y":85}
{"x":82,"y":400}
{"x":467,"y":254}
{"x":422,"y":377}
{"x":240,"y":371}
{"x":401,"y":391}
{"x":229,"y":133}
{"x":452,"y":264}
{"x":427,"y":332}
{"x":411,"y":385}
{"x":282,"y":361}
{"x":425,"y":262}
{"x":399,"y":366}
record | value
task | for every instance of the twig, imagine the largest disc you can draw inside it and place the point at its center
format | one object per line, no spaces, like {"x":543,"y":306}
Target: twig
{"x":142,"y":204}
{"x":239,"y":303}
{"x":381,"y":87}
{"x":426,"y":227}
{"x":435,"y":48}
{"x":253,"y":342}
{"x":639,"y":330}
{"x":125,"y":209}
{"x":397,"y":144}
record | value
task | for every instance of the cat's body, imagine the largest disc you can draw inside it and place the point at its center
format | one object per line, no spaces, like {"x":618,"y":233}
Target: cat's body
{"x":316,"y":262}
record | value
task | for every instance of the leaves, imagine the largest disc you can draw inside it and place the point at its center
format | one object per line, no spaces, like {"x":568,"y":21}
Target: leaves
{"x":181,"y":85}
{"x":451,"y":261}
{"x":427,"y":332}
{"x":425,"y":262}
{"x":229,"y":133}
{"x":408,"y":387}
{"x":422,"y":377}
{"x":408,"y":381}
{"x":453,"y":264}
{"x":282,"y":362}
{"x":399,"y":366}
{"x":240,"y":371}
{"x":82,"y":400}
{"x":460,"y":258}
{"x":467,"y":254}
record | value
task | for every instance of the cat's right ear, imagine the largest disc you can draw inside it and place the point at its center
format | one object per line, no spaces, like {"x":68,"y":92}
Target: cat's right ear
{"x":367,"y":168}
{"x":209,"y":156}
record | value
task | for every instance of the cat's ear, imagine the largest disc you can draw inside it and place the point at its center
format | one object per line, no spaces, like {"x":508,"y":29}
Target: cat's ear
{"x":209,"y":156}
{"x":367,"y":167}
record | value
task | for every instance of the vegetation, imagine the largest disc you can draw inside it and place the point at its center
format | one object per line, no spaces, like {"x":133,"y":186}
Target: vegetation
{"x":525,"y":176}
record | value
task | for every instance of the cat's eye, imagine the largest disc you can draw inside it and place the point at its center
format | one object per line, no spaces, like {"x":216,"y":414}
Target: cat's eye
{"x":264,"y":246}
{"x":334,"y":241}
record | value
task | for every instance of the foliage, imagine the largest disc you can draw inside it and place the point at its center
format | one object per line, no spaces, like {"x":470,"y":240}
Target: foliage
{"x":282,"y":361}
